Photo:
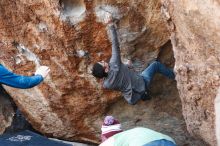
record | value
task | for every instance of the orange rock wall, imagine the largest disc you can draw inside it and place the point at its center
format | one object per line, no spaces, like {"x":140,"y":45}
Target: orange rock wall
{"x":68,"y":37}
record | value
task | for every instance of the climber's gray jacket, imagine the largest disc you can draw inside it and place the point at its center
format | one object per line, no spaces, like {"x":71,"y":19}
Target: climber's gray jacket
{"x":120,"y":77}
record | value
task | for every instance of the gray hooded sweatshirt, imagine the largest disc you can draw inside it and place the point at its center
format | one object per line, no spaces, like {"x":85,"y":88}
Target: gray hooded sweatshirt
{"x":120,"y":77}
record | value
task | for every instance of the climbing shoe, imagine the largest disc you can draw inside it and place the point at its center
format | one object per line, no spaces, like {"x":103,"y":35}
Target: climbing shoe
{"x":146,"y":97}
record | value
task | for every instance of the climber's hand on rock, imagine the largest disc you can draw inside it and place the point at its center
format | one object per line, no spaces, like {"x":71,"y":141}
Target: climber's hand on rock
{"x":129,"y":63}
{"x":108,"y":18}
{"x":43,"y":71}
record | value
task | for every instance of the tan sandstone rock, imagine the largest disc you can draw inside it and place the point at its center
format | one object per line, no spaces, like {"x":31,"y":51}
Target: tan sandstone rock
{"x":6,"y":110}
{"x":196,"y":41}
{"x":69,"y":36}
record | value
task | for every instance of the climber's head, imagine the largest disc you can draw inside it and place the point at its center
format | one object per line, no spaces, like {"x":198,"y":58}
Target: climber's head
{"x":100,"y":69}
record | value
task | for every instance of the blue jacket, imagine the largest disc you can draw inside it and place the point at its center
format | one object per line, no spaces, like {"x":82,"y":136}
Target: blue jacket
{"x":18,"y":81}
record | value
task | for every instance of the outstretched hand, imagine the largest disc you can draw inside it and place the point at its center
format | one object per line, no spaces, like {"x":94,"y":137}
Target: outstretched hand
{"x":129,"y":63}
{"x":43,"y":71}
{"x":108,"y":18}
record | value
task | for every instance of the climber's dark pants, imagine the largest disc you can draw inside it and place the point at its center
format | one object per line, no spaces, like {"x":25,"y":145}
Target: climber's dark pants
{"x":156,"y":67}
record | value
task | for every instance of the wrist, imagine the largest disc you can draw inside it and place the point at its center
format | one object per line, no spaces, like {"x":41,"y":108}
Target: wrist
{"x":110,"y":24}
{"x":39,"y":76}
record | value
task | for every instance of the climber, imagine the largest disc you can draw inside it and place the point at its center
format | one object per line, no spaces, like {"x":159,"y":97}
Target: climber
{"x":117,"y":76}
{"x":112,"y":135}
{"x":23,"y":82}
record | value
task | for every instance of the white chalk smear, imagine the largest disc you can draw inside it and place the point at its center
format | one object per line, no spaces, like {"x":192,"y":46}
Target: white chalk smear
{"x":42,"y":27}
{"x":102,"y":10}
{"x":74,"y":13}
{"x":23,"y":51}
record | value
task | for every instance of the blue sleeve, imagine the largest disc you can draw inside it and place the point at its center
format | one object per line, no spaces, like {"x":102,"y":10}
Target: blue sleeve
{"x":18,"y":81}
{"x":116,"y":57}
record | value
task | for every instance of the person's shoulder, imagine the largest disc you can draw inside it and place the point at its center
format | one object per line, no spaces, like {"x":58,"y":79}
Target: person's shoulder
{"x":139,"y":128}
{"x":109,"y":142}
{"x":114,"y":66}
{"x":106,"y":84}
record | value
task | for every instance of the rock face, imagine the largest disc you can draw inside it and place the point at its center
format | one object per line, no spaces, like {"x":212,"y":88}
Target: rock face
{"x":6,"y":110}
{"x":196,"y":41}
{"x":69,"y":36}
{"x":217,"y":119}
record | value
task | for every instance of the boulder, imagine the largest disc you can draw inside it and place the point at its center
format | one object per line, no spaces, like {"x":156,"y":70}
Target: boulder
{"x":6,"y":110}
{"x":69,"y":36}
{"x":196,"y":40}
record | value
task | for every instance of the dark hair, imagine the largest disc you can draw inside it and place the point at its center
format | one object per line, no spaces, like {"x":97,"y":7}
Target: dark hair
{"x":98,"y":71}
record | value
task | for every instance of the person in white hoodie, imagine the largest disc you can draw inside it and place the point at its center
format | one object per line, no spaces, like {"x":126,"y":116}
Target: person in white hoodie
{"x":138,"y":136}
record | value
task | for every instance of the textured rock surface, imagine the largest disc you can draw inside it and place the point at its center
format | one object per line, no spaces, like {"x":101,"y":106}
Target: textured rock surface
{"x":6,"y":110}
{"x":196,"y":41}
{"x":68,"y":100}
{"x":217,"y":119}
{"x":67,"y":36}
{"x":51,"y":33}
